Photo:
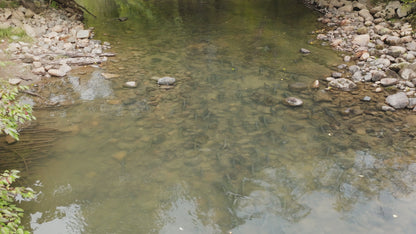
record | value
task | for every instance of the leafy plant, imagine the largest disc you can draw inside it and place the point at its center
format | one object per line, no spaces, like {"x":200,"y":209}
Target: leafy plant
{"x":10,"y":214}
{"x":12,"y":113}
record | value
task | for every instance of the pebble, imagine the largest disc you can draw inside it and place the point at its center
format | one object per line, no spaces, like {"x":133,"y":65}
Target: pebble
{"x":367,"y":98}
{"x":130,"y":84}
{"x":305,"y":51}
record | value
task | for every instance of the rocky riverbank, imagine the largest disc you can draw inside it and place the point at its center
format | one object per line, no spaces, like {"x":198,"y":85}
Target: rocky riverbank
{"x":56,"y":42}
{"x":378,"y":45}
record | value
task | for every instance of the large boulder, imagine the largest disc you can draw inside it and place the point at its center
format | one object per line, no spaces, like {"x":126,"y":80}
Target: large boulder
{"x":398,"y":100}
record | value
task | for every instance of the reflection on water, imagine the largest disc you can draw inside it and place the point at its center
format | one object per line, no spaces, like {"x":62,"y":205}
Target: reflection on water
{"x":220,"y":152}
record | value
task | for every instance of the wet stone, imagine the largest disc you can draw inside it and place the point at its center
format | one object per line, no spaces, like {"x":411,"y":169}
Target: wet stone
{"x":166,"y":81}
{"x":298,"y":86}
{"x":366,"y":98}
{"x":130,"y":84}
{"x":388,"y":81}
{"x":387,"y":108}
{"x":293,"y":101}
{"x":343,"y":84}
{"x":305,"y":51}
{"x":398,"y":100}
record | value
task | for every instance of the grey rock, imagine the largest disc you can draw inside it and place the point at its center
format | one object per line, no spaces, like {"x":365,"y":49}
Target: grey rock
{"x":83,"y":34}
{"x":357,"y":76}
{"x":388,"y":81}
{"x":366,"y":14}
{"x":412,"y":103}
{"x":322,"y":96}
{"x":367,"y":98}
{"x":354,"y":68}
{"x":406,"y":39}
{"x":336,"y":74}
{"x":398,"y":100}
{"x":297,"y":86}
{"x":404,"y":10}
{"x":382,"y":62}
{"x":377,"y":75}
{"x":293,"y":101}
{"x":29,"y":13}
{"x":361,"y":40}
{"x":396,"y":51}
{"x":29,"y":30}
{"x":64,"y":68}
{"x":407,"y":73}
{"x":358,"y":5}
{"x":343,"y":84}
{"x":15,"y":81}
{"x":56,"y":72}
{"x":409,"y":84}
{"x":376,"y":9}
{"x":381,"y":30}
{"x":305,"y":51}
{"x":362,"y":30}
{"x":347,"y":58}
{"x":39,"y":71}
{"x":166,"y":80}
{"x":393,"y":40}
{"x":130,"y":84}
{"x":387,"y":108}
{"x":347,"y":8}
{"x":18,"y":15}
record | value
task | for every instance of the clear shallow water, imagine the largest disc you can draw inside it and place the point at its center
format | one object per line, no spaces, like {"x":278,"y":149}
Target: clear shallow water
{"x":219,"y":152}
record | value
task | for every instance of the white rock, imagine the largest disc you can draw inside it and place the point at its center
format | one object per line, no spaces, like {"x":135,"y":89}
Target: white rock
{"x":398,"y":100}
{"x":15,"y":81}
{"x":65,"y":68}
{"x":343,"y":84}
{"x":387,"y":108}
{"x":407,"y":73}
{"x":58,"y":28}
{"x":166,"y":80}
{"x":388,"y":81}
{"x":130,"y":84}
{"x":37,"y":64}
{"x":361,"y":40}
{"x":39,"y":71}
{"x":83,"y":34}
{"x":56,"y":72}
{"x":293,"y":101}
{"x":29,"y":30}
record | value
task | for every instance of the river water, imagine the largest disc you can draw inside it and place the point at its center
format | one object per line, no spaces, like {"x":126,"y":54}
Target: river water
{"x":219,"y":152}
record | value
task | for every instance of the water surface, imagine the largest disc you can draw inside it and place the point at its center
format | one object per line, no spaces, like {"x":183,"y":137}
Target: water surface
{"x":219,"y":152}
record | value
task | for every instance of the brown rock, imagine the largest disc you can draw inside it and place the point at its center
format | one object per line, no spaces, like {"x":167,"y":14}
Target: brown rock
{"x":10,"y":140}
{"x":120,"y":155}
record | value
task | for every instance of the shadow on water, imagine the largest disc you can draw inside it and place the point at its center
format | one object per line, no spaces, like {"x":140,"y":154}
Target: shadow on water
{"x":219,"y":152}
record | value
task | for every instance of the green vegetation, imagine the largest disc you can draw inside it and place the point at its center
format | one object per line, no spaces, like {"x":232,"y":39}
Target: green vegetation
{"x":8,"y":4}
{"x":12,"y":113}
{"x":14,"y":33}
{"x":10,"y":214}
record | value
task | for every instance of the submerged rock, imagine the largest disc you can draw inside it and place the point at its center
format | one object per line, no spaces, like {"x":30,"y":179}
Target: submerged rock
{"x":343,"y":84}
{"x":304,"y":51}
{"x":293,"y":101}
{"x":130,"y":84}
{"x":166,"y":80}
{"x":297,"y":86}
